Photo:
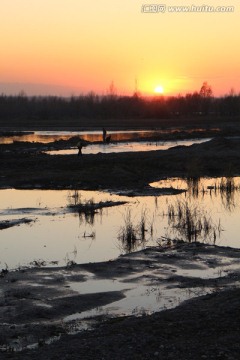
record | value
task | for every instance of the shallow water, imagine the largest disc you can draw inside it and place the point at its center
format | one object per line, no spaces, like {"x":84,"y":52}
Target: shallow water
{"x":142,"y":300}
{"x":127,"y":147}
{"x":92,"y":136}
{"x":150,"y":290}
{"x":61,"y":236}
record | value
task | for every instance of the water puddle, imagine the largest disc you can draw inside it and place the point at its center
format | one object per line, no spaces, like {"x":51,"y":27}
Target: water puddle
{"x":140,"y":301}
{"x":97,"y":286}
{"x":143,"y":282}
{"x":128,"y":147}
{"x":144,"y":294}
{"x":163,"y":285}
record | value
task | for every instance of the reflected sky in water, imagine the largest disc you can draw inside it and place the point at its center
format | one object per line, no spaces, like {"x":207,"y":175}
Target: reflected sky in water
{"x":127,"y":147}
{"x":92,"y":136}
{"x":58,"y":235}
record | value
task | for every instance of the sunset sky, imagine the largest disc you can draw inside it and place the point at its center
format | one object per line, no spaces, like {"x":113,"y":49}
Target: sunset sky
{"x":67,"y":47}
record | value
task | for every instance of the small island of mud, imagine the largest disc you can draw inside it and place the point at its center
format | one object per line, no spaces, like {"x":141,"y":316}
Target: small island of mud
{"x":5,"y":224}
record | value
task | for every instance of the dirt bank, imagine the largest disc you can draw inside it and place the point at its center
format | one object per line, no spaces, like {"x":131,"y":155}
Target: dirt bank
{"x":133,"y":171}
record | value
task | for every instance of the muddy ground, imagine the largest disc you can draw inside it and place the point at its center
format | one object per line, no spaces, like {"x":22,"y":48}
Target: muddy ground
{"x":34,"y":302}
{"x":31,"y":168}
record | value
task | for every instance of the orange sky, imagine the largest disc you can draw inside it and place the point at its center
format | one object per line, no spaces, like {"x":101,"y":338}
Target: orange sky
{"x":73,"y":46}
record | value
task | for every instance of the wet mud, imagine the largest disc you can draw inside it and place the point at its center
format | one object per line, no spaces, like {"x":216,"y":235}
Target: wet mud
{"x":35,"y":302}
{"x":94,"y":207}
{"x":5,"y":224}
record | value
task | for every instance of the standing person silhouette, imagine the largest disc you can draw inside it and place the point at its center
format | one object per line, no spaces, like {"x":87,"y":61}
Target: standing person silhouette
{"x":104,"y":135}
{"x":79,"y":146}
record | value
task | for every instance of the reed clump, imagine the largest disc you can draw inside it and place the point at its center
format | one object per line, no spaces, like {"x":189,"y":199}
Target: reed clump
{"x":192,"y":223}
{"x":132,"y":235}
{"x":128,"y":233}
{"x":227,"y":188}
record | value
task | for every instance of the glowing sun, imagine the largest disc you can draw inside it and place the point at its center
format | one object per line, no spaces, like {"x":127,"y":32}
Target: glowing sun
{"x":159,"y":89}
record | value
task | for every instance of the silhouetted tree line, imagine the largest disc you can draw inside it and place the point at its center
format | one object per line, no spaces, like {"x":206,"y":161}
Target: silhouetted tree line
{"x":115,"y":106}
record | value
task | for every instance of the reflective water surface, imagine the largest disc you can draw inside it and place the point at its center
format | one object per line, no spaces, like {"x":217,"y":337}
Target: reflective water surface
{"x":92,"y":136}
{"x":58,"y":236}
{"x":127,"y":146}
